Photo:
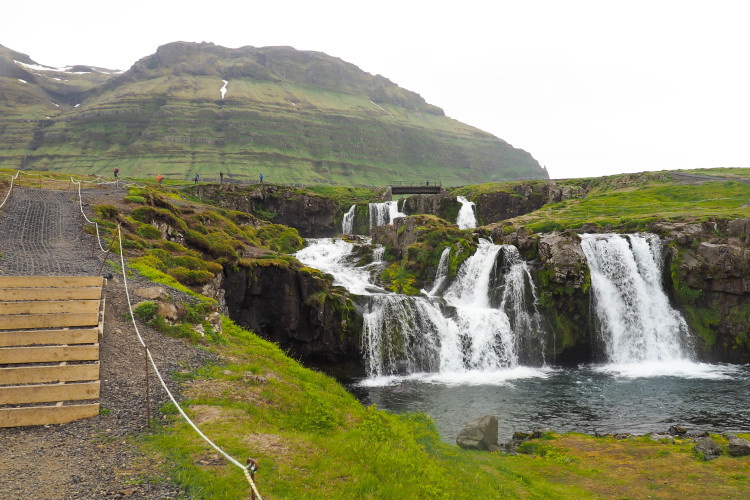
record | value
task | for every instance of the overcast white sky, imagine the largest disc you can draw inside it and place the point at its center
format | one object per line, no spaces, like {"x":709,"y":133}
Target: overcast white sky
{"x":589,"y":88}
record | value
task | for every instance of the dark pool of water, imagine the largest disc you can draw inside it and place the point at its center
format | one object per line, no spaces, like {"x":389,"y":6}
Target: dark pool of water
{"x":588,"y":399}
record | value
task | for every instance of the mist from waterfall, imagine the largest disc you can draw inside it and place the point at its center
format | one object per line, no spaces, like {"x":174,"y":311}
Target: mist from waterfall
{"x":636,"y":322}
{"x":466,"y":218}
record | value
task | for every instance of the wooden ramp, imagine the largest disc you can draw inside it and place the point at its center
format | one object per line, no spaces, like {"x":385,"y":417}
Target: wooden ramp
{"x":50,"y":328}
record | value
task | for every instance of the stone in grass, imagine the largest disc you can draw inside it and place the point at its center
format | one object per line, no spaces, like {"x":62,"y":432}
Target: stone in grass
{"x":662,"y":437}
{"x":738,"y":447}
{"x":708,"y":447}
{"x":153,"y":293}
{"x":479,"y":434}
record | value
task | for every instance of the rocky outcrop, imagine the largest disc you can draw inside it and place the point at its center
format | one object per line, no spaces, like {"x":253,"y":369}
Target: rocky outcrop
{"x":479,"y":434}
{"x":398,"y":236}
{"x":521,"y":199}
{"x":311,"y":215}
{"x":296,"y":307}
{"x":709,"y":265}
{"x":443,"y":205}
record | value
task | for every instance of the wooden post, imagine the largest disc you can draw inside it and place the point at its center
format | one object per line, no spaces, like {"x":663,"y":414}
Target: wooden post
{"x":148,"y":396}
{"x":107,"y":254}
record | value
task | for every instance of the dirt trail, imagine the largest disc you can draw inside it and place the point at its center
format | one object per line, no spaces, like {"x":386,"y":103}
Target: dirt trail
{"x":40,"y":234}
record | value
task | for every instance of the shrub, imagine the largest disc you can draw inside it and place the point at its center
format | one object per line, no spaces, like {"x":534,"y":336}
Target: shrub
{"x":135,"y":199}
{"x":190,"y":277}
{"x":148,"y":232}
{"x":145,"y":310}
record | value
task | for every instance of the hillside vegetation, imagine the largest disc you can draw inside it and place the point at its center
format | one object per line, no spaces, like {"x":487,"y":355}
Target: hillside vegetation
{"x":301,"y":117}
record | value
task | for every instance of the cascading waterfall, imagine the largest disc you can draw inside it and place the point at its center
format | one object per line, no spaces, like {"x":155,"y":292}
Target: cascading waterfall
{"x":384,"y":213}
{"x":459,"y":333}
{"x":466,"y":218}
{"x":442,"y":272}
{"x":347,"y":223}
{"x":519,"y":301}
{"x":636,"y":320}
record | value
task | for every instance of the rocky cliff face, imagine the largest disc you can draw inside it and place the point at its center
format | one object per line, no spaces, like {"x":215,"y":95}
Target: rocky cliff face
{"x":312,"y":216}
{"x":709,"y":276}
{"x":296,"y":307}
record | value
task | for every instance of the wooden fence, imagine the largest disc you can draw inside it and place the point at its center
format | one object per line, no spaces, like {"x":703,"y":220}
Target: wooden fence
{"x":49,"y":348}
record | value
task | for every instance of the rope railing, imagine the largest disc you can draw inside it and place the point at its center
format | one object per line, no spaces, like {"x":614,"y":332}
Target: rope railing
{"x":80,"y":204}
{"x":247,"y":469}
{"x":10,"y":189}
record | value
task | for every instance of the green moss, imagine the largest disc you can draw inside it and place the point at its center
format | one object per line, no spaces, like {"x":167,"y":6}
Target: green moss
{"x":135,"y":199}
{"x":149,"y":232}
{"x":280,"y":238}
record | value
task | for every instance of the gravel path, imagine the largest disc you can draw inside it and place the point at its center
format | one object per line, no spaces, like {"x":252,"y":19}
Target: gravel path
{"x":40,"y":234}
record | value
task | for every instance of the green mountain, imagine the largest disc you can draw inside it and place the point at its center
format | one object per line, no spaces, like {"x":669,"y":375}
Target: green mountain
{"x":294,"y":116}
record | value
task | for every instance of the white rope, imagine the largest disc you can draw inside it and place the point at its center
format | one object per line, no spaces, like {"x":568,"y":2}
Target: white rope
{"x":9,"y":189}
{"x":80,"y":204}
{"x":164,"y":385}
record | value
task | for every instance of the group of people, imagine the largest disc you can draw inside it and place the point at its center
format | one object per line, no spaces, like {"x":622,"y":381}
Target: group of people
{"x":159,"y":177}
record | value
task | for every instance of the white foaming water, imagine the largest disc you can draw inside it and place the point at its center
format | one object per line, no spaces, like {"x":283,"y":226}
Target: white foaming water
{"x":347,"y":223}
{"x":678,"y":368}
{"x":462,"y":378}
{"x":462,"y":334}
{"x":637,"y":323}
{"x":442,"y":271}
{"x":329,"y":255}
{"x":466,"y":218}
{"x":384,"y":213}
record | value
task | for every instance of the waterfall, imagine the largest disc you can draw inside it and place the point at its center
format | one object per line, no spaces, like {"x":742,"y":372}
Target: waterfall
{"x":442,"y":271}
{"x":459,"y":333}
{"x":466,"y":218}
{"x":347,"y":223}
{"x":636,"y":320}
{"x":384,"y":213}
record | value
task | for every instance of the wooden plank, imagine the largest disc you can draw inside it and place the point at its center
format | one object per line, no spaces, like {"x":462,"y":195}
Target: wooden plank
{"x":46,"y":374}
{"x":48,"y":307}
{"x":50,"y":281}
{"x":42,"y":415}
{"x":42,"y":337}
{"x":24,"y":394}
{"x":84,"y":293}
{"x":50,"y":354}
{"x":101,"y":318}
{"x":28,"y":321}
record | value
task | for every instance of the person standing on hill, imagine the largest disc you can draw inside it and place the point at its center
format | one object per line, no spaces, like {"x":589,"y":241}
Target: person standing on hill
{"x":117,"y":171}
{"x":261,"y":178}
{"x":221,"y":177}
{"x":196,"y":178}
{"x":158,"y":179}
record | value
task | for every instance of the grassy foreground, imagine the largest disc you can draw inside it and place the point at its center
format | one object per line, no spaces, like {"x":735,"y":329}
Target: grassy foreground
{"x":312,"y":439}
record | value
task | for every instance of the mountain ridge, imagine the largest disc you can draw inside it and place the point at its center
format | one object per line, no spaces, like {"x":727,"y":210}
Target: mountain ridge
{"x":305,"y":116}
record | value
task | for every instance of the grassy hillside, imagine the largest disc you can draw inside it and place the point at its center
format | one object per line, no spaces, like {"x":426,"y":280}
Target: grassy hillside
{"x":635,"y":200}
{"x":298,"y":117}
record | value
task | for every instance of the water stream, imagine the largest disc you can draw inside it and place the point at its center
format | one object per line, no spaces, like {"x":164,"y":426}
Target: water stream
{"x":466,"y":218}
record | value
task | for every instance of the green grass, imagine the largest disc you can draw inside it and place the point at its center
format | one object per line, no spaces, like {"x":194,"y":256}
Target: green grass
{"x":635,"y":206}
{"x":312,"y":439}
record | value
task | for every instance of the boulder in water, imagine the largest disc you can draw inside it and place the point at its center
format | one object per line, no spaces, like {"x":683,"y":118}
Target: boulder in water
{"x":479,"y":434}
{"x":708,"y":447}
{"x":738,"y":447}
